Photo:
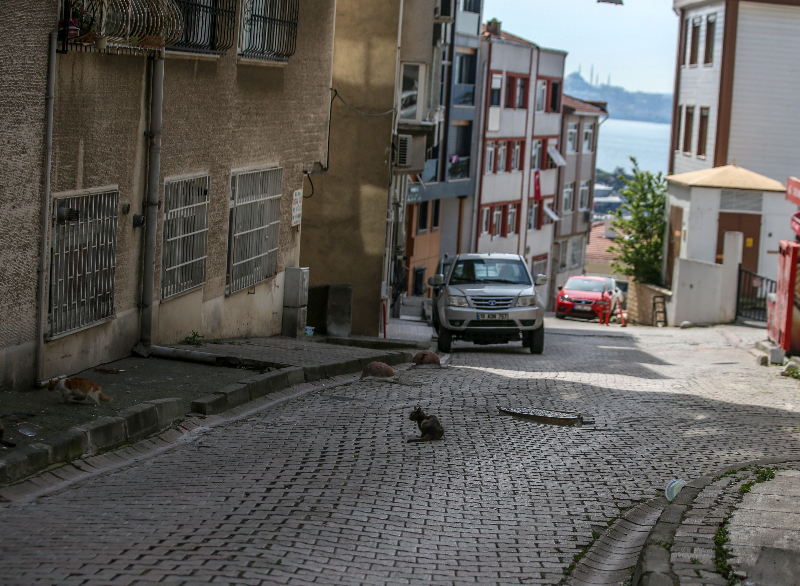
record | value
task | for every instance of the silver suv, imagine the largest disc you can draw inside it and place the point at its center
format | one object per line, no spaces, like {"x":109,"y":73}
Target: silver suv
{"x":488,"y":299}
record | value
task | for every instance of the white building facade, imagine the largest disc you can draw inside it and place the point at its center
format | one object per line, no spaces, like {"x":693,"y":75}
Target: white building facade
{"x":736,"y":87}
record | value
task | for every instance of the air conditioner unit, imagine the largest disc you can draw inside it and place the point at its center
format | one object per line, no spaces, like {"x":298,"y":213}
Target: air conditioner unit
{"x":404,"y":144}
{"x":444,"y":11}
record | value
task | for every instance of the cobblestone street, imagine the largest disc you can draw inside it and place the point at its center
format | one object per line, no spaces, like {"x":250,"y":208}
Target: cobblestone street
{"x":323,"y":489}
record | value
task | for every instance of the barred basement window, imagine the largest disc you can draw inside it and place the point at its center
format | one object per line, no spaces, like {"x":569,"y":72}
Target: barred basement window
{"x":208,"y":25}
{"x":83,"y":253}
{"x":184,"y":251}
{"x":269,"y":29}
{"x":253,"y":232}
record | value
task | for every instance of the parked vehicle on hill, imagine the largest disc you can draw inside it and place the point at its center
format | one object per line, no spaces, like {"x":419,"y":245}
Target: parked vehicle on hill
{"x":488,"y":299}
{"x":583,"y":297}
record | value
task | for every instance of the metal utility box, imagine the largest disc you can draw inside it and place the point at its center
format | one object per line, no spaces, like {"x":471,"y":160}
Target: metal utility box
{"x":294,"y":322}
{"x":295,"y":288}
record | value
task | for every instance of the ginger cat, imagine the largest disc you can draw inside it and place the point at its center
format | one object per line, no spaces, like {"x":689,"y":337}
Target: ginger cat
{"x":78,"y":388}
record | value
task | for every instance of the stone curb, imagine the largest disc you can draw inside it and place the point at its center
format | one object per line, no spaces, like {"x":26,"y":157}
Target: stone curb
{"x":654,"y":567}
{"x":152,"y":417}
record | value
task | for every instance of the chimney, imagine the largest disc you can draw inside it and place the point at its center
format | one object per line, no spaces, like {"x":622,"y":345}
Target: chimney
{"x":493,"y":26}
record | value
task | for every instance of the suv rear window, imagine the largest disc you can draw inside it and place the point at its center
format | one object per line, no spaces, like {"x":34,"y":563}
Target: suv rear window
{"x":490,"y":271}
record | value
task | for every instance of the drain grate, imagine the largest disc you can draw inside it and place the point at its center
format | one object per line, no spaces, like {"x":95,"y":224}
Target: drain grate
{"x":546,"y":416}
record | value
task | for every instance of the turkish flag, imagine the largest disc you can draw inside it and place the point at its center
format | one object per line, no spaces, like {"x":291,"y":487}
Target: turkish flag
{"x":537,"y":187}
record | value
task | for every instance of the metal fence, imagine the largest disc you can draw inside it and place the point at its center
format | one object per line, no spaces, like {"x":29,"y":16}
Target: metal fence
{"x":184,"y":251}
{"x":83,"y":260}
{"x":146,"y":24}
{"x":208,"y":25}
{"x":751,"y":297}
{"x":269,"y":29}
{"x":253,"y":236}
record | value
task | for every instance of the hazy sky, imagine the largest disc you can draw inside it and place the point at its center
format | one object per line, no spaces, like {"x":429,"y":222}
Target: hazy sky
{"x":634,"y":43}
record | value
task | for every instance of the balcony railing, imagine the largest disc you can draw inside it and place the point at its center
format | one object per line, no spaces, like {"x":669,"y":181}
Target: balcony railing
{"x":146,"y":24}
{"x":269,"y":29}
{"x":458,"y":169}
{"x":463,"y":94}
{"x":208,"y":25}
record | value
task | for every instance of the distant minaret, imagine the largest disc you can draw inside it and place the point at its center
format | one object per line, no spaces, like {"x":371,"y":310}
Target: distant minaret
{"x":609,"y":80}
{"x":579,"y":69}
{"x":591,"y":76}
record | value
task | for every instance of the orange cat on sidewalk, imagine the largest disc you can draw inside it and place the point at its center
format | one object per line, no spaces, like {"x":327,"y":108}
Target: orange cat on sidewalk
{"x":79,"y":388}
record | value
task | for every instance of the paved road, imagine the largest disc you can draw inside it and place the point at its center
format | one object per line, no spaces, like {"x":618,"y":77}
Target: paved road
{"x":324,"y":490}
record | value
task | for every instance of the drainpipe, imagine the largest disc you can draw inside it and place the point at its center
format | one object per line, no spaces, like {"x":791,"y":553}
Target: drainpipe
{"x":43,"y":253}
{"x":151,"y":203}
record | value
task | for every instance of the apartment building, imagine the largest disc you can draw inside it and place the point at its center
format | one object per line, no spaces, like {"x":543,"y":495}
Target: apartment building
{"x":163,"y":206}
{"x":733,"y":56}
{"x":386,"y":122}
{"x":441,"y":198}
{"x":521,"y":147}
{"x":579,"y":132}
{"x":736,"y":89}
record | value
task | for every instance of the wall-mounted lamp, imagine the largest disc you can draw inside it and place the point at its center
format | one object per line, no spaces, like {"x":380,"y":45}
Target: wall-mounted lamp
{"x":138,"y":221}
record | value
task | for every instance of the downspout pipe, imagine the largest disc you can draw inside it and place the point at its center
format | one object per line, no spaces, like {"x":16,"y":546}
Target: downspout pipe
{"x":42,"y":299}
{"x":151,"y":202}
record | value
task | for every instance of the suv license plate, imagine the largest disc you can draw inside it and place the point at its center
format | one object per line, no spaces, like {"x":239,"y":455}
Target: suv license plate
{"x":583,"y":307}
{"x":492,"y":316}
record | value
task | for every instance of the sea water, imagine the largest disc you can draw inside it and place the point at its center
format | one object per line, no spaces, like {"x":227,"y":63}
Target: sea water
{"x":618,"y":140}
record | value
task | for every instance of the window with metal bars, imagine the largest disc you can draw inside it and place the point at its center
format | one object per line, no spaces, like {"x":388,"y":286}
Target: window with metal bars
{"x":184,"y":250}
{"x":253,"y":230}
{"x":269,"y":29}
{"x":208,"y":25}
{"x":83,"y":251}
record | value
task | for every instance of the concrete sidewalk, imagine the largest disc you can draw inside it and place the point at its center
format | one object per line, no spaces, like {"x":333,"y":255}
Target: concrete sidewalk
{"x":742,"y":525}
{"x":152,"y":394}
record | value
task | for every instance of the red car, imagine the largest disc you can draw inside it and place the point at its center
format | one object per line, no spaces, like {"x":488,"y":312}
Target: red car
{"x":586,"y":297}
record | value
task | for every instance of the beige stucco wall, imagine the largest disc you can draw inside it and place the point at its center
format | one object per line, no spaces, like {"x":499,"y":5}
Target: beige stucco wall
{"x":23,"y":71}
{"x":345,"y":221}
{"x":219,"y":115}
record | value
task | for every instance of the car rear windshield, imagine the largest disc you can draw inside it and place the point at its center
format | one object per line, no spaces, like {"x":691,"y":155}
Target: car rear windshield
{"x":585,"y":285}
{"x":489,"y":270}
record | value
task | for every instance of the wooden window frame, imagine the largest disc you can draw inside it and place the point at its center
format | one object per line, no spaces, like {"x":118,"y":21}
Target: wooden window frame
{"x":694,"y":45}
{"x":688,"y":128}
{"x":702,"y":132}
{"x":711,"y":33}
{"x":490,"y":152}
{"x":588,"y":127}
{"x":502,"y":161}
{"x":568,"y":186}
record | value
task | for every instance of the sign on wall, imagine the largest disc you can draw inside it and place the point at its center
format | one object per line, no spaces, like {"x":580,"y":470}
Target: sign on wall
{"x":297,"y":207}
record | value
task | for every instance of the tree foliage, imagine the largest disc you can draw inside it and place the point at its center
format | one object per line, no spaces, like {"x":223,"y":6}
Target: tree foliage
{"x":640,"y":223}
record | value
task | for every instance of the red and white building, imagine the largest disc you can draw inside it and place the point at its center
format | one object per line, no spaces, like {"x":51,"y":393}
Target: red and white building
{"x":520,"y":156}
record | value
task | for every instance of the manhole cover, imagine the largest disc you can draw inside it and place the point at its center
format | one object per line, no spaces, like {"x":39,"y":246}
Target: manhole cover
{"x":544,"y":416}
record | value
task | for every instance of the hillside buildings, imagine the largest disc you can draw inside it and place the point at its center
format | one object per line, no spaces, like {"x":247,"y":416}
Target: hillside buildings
{"x":521,"y":133}
{"x":154,"y":166}
{"x":580,"y":128}
{"x":733,"y":58}
{"x":440,"y":200}
{"x":387,"y":120}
